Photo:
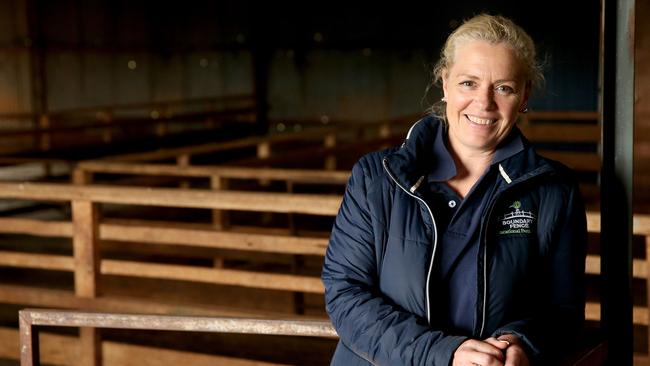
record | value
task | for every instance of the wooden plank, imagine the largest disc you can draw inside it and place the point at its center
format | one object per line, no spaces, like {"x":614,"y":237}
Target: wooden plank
{"x":214,"y":239}
{"x":86,"y":250}
{"x":86,"y":273}
{"x":564,"y":115}
{"x":296,"y":175}
{"x":561,"y":132}
{"x":121,"y":354}
{"x":314,"y":204}
{"x":220,"y":276}
{"x":589,"y":161}
{"x":639,"y":266}
{"x":220,"y":218}
{"x":36,"y":227}
{"x":63,"y":350}
{"x":37,"y":261}
{"x":46,"y":297}
{"x":639,"y":314}
{"x":29,"y":345}
{"x":222,"y":146}
{"x":90,"y":347}
{"x":640,"y":223}
{"x":68,"y":318}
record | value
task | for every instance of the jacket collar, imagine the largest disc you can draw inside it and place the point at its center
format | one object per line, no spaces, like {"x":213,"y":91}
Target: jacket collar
{"x":424,"y":153}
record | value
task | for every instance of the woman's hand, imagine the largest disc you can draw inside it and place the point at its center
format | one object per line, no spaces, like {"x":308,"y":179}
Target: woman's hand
{"x":513,"y":350}
{"x":473,"y":352}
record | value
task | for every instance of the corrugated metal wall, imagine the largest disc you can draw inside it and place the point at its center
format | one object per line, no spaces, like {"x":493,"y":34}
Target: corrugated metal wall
{"x":338,"y":60}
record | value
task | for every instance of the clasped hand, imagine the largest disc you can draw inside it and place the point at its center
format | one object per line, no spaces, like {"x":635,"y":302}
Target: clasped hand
{"x":505,"y":351}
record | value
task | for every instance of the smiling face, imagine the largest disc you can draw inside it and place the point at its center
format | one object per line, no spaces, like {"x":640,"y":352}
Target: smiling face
{"x":484,"y":89}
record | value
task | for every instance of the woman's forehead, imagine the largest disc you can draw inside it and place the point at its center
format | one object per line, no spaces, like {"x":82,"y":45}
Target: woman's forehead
{"x":476,"y":58}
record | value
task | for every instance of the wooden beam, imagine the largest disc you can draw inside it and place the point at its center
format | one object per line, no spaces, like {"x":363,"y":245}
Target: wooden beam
{"x":86,"y":273}
{"x":29,"y":345}
{"x":63,"y":350}
{"x":264,"y":280}
{"x":561,"y":132}
{"x":640,"y":223}
{"x":315,"y":204}
{"x":295,"y":175}
{"x":36,"y":227}
{"x":639,"y":266}
{"x":37,"y":261}
{"x":46,"y":297}
{"x":214,"y":239}
{"x":222,"y":146}
{"x":63,"y":318}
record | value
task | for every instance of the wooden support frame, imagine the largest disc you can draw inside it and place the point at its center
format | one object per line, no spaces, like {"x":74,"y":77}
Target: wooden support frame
{"x":31,"y":319}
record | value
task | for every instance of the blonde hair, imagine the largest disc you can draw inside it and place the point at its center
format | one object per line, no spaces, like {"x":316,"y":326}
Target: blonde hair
{"x":493,"y":29}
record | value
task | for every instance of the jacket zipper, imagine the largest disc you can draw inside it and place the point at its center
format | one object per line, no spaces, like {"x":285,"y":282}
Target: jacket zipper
{"x":485,"y":235}
{"x":485,"y":278}
{"x":435,"y":236}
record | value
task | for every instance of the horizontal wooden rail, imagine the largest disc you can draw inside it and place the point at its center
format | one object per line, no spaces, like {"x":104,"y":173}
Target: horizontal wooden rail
{"x":561,"y":132}
{"x":562,"y":115}
{"x":120,"y":122}
{"x":30,"y":320}
{"x":247,"y":142}
{"x":156,"y":105}
{"x":296,"y":175}
{"x":63,"y":318}
{"x":230,"y":277}
{"x":315,"y":204}
{"x":285,"y":244}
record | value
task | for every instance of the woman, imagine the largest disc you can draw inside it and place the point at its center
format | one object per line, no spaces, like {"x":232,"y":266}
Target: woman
{"x":463,"y":246}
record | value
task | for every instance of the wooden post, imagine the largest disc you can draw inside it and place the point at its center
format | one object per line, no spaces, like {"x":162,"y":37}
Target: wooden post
{"x":298,"y":261}
{"x":161,"y":128}
{"x":81,"y":176}
{"x":44,"y":137}
{"x":86,"y":257}
{"x":384,"y":130}
{"x":219,"y":217}
{"x":263,"y":153}
{"x":183,"y":161}
{"x":29,"y":350}
{"x":330,"y":143}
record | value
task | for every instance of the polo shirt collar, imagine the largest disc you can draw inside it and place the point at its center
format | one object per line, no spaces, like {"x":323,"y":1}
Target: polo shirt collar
{"x":443,"y":167}
{"x":512,"y":145}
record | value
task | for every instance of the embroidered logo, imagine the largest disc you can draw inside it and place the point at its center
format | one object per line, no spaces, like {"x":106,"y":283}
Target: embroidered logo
{"x":517,"y":221}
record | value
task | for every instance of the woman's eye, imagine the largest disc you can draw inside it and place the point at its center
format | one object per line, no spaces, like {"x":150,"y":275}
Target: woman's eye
{"x":505,"y":89}
{"x":468,"y":83}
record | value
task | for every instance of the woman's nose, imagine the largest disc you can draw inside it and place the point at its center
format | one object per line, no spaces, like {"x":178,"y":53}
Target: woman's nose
{"x":485,"y":98}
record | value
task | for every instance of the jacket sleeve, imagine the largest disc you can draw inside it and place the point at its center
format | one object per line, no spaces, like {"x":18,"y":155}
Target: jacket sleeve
{"x":559,"y":320}
{"x":367,"y":322}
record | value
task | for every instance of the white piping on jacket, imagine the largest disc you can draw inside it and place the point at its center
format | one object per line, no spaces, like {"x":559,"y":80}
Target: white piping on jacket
{"x":408,"y":134}
{"x":435,"y":236}
{"x":504,"y":174}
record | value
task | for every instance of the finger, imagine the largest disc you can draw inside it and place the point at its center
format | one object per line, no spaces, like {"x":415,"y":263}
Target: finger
{"x":484,"y":348}
{"x":516,"y":356}
{"x":498,"y":343}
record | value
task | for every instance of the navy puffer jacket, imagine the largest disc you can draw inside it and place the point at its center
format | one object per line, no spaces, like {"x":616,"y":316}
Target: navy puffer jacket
{"x":530,"y":265}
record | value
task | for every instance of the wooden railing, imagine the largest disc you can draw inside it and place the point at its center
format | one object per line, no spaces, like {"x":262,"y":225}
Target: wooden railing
{"x":105,"y":125}
{"x":31,"y":319}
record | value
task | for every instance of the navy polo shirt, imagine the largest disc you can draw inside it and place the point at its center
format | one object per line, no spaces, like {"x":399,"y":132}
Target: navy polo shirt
{"x":454,"y":283}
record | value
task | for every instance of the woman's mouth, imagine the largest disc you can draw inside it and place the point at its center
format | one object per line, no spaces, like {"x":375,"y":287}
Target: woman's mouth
{"x":480,"y":121}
